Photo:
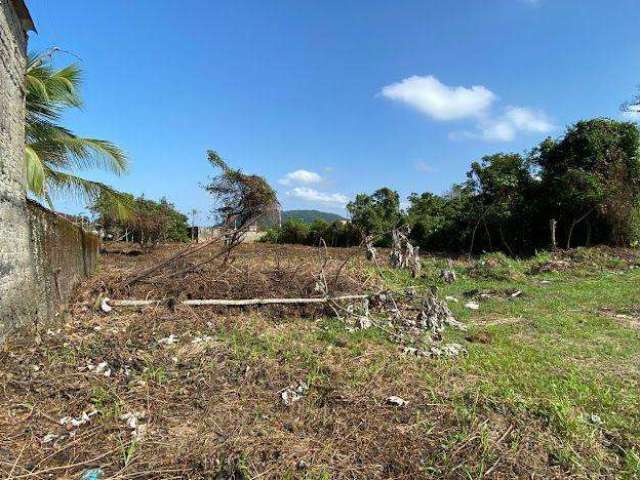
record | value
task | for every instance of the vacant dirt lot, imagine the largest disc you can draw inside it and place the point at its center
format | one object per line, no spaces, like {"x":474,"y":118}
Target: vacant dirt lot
{"x":548,"y":388}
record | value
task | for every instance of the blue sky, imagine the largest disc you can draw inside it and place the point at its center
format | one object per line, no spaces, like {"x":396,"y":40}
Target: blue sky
{"x":327,"y":99}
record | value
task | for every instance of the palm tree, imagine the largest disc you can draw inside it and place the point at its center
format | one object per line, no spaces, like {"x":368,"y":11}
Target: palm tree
{"x":52,"y":151}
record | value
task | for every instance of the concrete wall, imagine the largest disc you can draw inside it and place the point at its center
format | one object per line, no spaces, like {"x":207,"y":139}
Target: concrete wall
{"x":16,"y":267}
{"x":209,"y":233}
{"x":63,"y":254}
{"x":42,"y":255}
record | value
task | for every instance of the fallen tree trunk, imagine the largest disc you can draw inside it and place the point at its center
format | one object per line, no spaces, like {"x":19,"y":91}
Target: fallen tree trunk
{"x":238,"y":303}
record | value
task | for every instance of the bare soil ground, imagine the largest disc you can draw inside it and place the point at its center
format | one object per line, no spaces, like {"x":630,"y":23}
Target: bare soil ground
{"x":549,"y":388}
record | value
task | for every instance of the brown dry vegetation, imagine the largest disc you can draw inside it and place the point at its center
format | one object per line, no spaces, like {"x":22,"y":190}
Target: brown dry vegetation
{"x":211,"y":405}
{"x":254,"y":270}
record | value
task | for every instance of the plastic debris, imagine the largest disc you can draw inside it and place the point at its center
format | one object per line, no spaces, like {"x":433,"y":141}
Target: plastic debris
{"x":92,"y":474}
{"x":449,"y":298}
{"x":516,"y":294}
{"x":472,"y":305}
{"x":74,"y":422}
{"x":293,"y":393}
{"x":50,"y":438}
{"x":202,"y":339}
{"x":364,"y":322}
{"x":104,"y":305}
{"x":133,"y":422}
{"x":595,"y":419}
{"x":170,"y":340}
{"x":396,"y":401}
{"x":449,"y":350}
{"x":101,"y":369}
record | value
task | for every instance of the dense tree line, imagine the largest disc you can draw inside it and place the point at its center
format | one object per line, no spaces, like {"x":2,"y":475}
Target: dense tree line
{"x":335,"y":234}
{"x":149,"y":222}
{"x":585,"y":186}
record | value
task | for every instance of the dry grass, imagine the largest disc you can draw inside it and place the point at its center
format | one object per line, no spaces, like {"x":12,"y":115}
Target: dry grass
{"x":210,"y":401}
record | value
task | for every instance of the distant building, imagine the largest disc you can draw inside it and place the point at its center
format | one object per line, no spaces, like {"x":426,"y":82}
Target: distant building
{"x":203,"y":234}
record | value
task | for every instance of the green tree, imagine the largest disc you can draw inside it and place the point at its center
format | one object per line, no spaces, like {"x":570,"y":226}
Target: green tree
{"x":294,"y":231}
{"x":591,"y":177}
{"x":52,"y":151}
{"x":443,"y":222}
{"x":149,"y":222}
{"x":376,"y":214}
{"x":500,"y":183}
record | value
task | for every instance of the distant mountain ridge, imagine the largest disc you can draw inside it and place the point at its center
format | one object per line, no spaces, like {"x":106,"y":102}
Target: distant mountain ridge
{"x":309,"y":216}
{"x":305,"y":216}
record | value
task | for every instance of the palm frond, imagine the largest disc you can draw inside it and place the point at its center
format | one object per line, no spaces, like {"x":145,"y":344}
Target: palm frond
{"x":89,"y":190}
{"x":36,"y":175}
{"x":93,"y":152}
{"x":52,"y":149}
{"x":57,"y":86}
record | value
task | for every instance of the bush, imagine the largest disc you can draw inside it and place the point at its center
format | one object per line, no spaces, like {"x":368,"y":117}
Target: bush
{"x":293,"y":231}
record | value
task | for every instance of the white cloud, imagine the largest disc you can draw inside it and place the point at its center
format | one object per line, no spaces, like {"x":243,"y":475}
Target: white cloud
{"x":477,"y":104}
{"x":300,"y":177}
{"x":632,"y":114}
{"x":528,"y":120}
{"x":312,"y":195}
{"x":514,"y":120}
{"x":441,"y":102}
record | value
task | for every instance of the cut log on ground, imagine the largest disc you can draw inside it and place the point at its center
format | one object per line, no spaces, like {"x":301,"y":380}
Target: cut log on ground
{"x":238,"y":303}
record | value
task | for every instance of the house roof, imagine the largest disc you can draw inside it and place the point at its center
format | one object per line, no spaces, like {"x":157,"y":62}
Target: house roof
{"x":24,"y":15}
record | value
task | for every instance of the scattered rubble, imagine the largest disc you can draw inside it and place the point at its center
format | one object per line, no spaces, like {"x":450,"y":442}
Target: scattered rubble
{"x":133,"y":423}
{"x":447,"y":276}
{"x":472,"y":305}
{"x":293,"y":393}
{"x":448,"y":350}
{"x":170,"y":340}
{"x":202,"y":339}
{"x":71,"y":423}
{"x":364,"y":322}
{"x":51,"y":438}
{"x":101,"y":369}
{"x":553,"y":265}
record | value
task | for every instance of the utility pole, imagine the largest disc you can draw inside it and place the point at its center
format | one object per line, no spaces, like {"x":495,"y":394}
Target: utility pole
{"x":194,"y":212}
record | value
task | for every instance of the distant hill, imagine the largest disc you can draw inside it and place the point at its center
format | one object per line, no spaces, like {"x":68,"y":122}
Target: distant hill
{"x":309,"y":216}
{"x":306,"y":216}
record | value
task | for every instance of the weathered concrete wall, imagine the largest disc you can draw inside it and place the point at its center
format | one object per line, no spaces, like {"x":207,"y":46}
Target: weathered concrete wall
{"x":209,"y":233}
{"x":16,"y":267}
{"x":42,"y":255}
{"x":63,"y":255}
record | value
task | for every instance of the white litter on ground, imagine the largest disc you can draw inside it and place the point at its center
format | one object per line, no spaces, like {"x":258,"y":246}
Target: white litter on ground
{"x":472,"y":305}
{"x":75,"y":422}
{"x":396,"y":401}
{"x":170,"y":340}
{"x":293,"y":393}
{"x":101,"y":369}
{"x":133,"y":422}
